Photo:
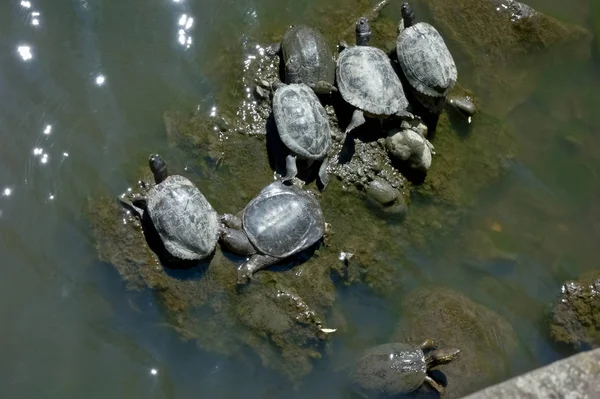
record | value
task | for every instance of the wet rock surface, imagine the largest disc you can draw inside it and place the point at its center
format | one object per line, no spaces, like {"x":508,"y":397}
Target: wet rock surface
{"x":576,"y":315}
{"x":484,"y":338}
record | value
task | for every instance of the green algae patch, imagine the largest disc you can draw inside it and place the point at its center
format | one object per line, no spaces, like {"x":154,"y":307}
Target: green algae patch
{"x":500,"y":52}
{"x":485,"y":339}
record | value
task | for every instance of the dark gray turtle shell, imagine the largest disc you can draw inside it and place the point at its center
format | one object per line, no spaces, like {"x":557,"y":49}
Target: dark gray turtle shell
{"x":282,"y":220}
{"x":183,"y":217}
{"x":307,"y":57}
{"x":426,"y":60}
{"x":301,"y":121}
{"x":367,"y":80}
{"x":389,"y":369}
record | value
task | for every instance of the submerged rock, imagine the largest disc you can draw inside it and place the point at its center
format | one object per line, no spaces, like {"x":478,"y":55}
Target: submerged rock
{"x":576,"y":315}
{"x":576,"y":376}
{"x":501,"y":46}
{"x":485,"y":339}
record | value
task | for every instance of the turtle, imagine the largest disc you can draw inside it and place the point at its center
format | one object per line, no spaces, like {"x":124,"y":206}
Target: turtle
{"x":307,"y":58}
{"x":303,"y":127}
{"x":366,"y":80}
{"x":428,"y":65}
{"x":185,"y":221}
{"x":280,"y":221}
{"x":398,"y":368}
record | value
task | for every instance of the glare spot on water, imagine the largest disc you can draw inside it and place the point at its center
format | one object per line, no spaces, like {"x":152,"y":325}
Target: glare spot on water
{"x":25,"y":52}
{"x":185,"y":23}
{"x":7,"y":192}
{"x":35,"y":22}
{"x":51,"y":197}
{"x":65,"y":154}
{"x":38,"y":151}
{"x":48,"y":129}
{"x":26,"y":4}
{"x":213,"y":111}
{"x":153,"y":371}
{"x":44,"y":159}
{"x":100,"y":80}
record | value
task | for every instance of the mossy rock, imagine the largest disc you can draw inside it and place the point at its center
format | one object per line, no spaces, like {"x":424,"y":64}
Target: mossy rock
{"x":575,"y":317}
{"x":485,"y":339}
{"x":500,"y":52}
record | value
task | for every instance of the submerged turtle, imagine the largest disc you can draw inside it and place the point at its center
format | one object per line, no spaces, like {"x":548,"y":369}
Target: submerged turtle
{"x":367,"y":80}
{"x":427,"y":64}
{"x":279,"y":222}
{"x":307,"y":59}
{"x":186,"y":222}
{"x":398,"y":368}
{"x":303,"y":127}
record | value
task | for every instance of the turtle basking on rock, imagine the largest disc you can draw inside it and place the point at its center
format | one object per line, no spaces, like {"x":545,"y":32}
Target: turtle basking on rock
{"x":279,"y":222}
{"x":307,"y":58}
{"x":366,"y":80}
{"x":186,"y":222}
{"x":398,"y":368}
{"x":428,"y":65}
{"x":303,"y":127}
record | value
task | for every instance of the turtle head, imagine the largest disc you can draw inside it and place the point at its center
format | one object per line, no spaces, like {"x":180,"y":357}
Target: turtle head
{"x":438,"y":357}
{"x":363,"y":32}
{"x":408,"y":14}
{"x":158,"y":168}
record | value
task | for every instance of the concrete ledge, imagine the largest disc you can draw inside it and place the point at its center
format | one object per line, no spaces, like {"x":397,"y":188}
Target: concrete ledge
{"x":576,"y":377}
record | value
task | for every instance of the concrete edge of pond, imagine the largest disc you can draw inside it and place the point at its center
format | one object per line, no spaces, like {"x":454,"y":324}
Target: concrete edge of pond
{"x":574,"y":377}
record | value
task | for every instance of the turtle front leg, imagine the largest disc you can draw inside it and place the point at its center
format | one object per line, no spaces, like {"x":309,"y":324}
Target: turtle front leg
{"x":322,"y":87}
{"x":273,"y":49}
{"x":290,"y":167}
{"x":254,"y":264}
{"x":464,"y":105}
{"x":358,"y":119}
{"x":428,"y":344}
{"x":435,"y":385}
{"x":323,"y":176}
{"x":236,"y":241}
{"x":231,"y":221}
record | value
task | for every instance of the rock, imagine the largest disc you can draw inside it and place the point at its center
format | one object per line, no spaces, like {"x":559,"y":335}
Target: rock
{"x":576,"y":315}
{"x":502,"y":46}
{"x":382,"y":191}
{"x":485,"y":339}
{"x":574,"y":377}
{"x":408,"y":145}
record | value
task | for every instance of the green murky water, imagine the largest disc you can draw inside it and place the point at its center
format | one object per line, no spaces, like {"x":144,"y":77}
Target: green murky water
{"x":85,"y":84}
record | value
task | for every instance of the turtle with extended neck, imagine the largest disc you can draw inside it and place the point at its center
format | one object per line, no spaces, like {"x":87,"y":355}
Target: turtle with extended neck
{"x":185,"y":221}
{"x":399,"y":368}
{"x":366,"y":80}
{"x":428,"y":65}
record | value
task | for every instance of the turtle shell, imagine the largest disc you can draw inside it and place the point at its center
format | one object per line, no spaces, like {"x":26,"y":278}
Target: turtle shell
{"x":282,"y":220}
{"x":307,"y":56}
{"x":367,"y":80}
{"x":301,"y":121}
{"x":426,"y":60}
{"x":183,"y":217}
{"x":389,"y":369}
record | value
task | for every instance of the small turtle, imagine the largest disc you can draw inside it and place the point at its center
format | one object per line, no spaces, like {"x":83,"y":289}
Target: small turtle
{"x":307,"y":58}
{"x":186,"y":222}
{"x":398,"y":368}
{"x":427,"y":64}
{"x":303,"y":127}
{"x":279,"y":222}
{"x":366,"y":80}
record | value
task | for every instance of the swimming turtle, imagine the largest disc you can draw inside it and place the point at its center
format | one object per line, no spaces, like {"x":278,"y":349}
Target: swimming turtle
{"x":307,"y":58}
{"x":428,"y":65}
{"x":398,"y":368}
{"x":186,"y":222}
{"x":303,"y":127}
{"x":280,"y":221}
{"x":367,"y":80}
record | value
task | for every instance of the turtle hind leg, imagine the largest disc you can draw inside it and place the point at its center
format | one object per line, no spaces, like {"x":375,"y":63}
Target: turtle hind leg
{"x":254,"y":264}
{"x":435,"y":385}
{"x":323,"y":176}
{"x":322,"y":87}
{"x":290,"y":167}
{"x":236,"y":241}
{"x":358,"y":119}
